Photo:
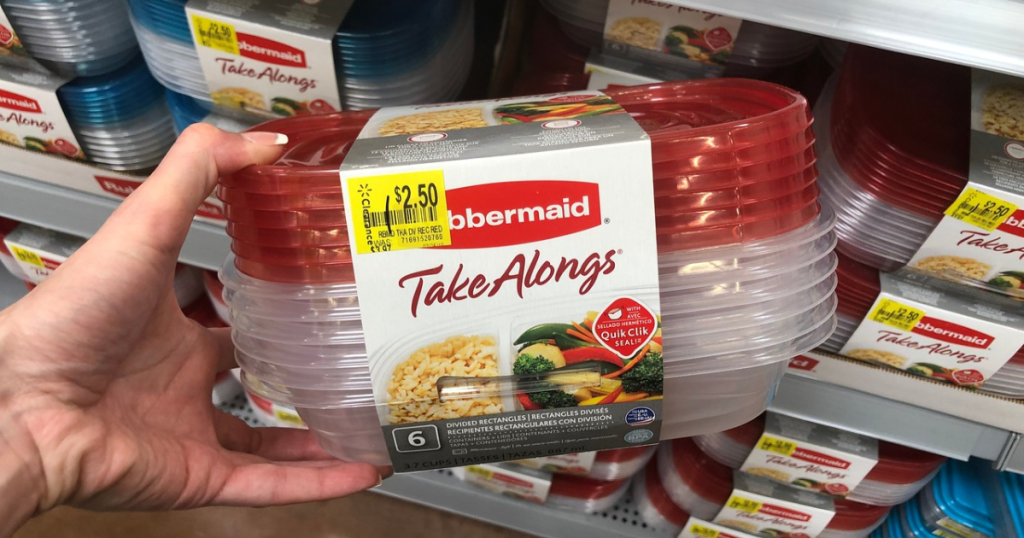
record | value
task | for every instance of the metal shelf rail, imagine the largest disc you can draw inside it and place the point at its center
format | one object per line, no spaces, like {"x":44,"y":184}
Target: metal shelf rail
{"x":80,"y":213}
{"x":977,"y":33}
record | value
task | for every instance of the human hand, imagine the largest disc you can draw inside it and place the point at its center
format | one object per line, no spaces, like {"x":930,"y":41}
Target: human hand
{"x":105,"y":385}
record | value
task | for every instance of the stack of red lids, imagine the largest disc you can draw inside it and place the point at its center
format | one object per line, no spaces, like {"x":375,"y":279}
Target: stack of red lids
{"x":733,"y":162}
{"x":554,"y":62}
{"x":582,"y":494}
{"x":654,"y":504}
{"x":894,"y":151}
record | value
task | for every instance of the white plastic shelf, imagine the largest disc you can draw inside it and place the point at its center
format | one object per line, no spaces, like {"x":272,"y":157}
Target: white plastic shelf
{"x":79,"y":213}
{"x":978,"y":33}
{"x":905,"y":409}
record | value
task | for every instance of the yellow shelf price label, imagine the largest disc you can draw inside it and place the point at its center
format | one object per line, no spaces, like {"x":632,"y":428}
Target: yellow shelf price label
{"x":215,"y":34}
{"x":700,"y":530}
{"x":981,"y":209}
{"x":399,"y":211}
{"x":776,"y":445}
{"x":896,"y":314}
{"x":743,"y":504}
{"x":27,"y":256}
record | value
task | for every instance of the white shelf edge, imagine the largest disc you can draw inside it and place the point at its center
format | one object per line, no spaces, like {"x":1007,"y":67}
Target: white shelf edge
{"x":81,"y":214}
{"x":978,"y":33}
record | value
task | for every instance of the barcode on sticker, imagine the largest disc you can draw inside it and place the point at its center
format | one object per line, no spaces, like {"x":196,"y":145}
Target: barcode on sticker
{"x":397,"y":217}
{"x":399,"y":211}
{"x":774,"y":444}
{"x":744,"y":505}
{"x":215,"y":34}
{"x":981,"y":209}
{"x":27,"y":256}
{"x":895,"y":314}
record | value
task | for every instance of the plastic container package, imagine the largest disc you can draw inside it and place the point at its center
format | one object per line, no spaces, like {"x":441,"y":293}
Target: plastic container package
{"x":758,"y":50}
{"x":701,"y":486}
{"x":955,"y":501}
{"x":619,"y":464}
{"x":120,"y":118}
{"x":74,"y":37}
{"x":585,"y":495}
{"x":900,"y":473}
{"x":386,"y":53}
{"x":885,"y":169}
{"x":653,"y":503}
{"x":1006,"y":499}
{"x":744,"y":287}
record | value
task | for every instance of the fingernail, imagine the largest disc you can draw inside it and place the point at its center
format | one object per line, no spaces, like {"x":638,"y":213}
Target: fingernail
{"x":380,"y":481}
{"x":386,"y":471}
{"x":264,"y":138}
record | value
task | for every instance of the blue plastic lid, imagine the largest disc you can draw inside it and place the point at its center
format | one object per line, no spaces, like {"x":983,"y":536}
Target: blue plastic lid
{"x":960,"y":494}
{"x":1013,"y":489}
{"x":186,"y":110}
{"x":912,"y":523}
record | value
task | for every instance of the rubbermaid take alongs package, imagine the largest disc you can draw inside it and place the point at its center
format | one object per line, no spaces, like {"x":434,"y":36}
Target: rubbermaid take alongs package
{"x":938,"y":329}
{"x":507,"y":275}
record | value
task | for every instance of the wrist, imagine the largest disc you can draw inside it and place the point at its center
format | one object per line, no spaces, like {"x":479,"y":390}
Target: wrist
{"x":22,"y":480}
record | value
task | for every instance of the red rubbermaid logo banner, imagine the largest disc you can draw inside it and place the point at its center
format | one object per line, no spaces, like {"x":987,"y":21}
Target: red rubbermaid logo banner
{"x":124,"y":187}
{"x":511,"y":480}
{"x":6,"y":36}
{"x":820,"y":459}
{"x":270,"y":51}
{"x":952,"y":333}
{"x":519,"y":212}
{"x":50,"y":264}
{"x":1014,"y":224}
{"x":15,"y":101}
{"x":778,"y":511}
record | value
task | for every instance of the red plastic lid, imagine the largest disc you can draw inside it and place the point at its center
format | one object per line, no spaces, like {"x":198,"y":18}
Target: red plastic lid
{"x":214,"y":285}
{"x":855,"y":516}
{"x":703,"y":475}
{"x":6,"y":226}
{"x":903,"y":465}
{"x":675,"y":189}
{"x":202,"y":312}
{"x":285,"y":237}
{"x":580,"y":487}
{"x":338,"y":273}
{"x":29,"y":286}
{"x":659,"y":498}
{"x":622,"y":454}
{"x":668,"y":220}
{"x":861,"y":273}
{"x":292,"y":255}
{"x":748,"y":434}
{"x":554,"y":82}
{"x":733,"y":233}
{"x":666,"y":179}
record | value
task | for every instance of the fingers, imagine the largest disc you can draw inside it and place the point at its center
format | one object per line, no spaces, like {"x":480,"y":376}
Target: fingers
{"x":274,"y":444}
{"x":268,"y":484}
{"x":225,"y":349}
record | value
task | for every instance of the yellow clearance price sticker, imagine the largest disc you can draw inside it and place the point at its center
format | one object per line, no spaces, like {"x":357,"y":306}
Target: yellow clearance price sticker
{"x":774,"y":444}
{"x":285,"y":416}
{"x":981,"y":209}
{"x":743,"y":504}
{"x":27,"y":256}
{"x":700,"y":530}
{"x":895,"y":314}
{"x":215,"y":34}
{"x":399,"y":211}
{"x":480,"y":471}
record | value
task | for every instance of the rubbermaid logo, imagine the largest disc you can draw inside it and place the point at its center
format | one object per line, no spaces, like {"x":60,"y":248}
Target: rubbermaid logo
{"x":6,"y":35}
{"x":1014,"y":224}
{"x":123,"y":188}
{"x":520,"y":212}
{"x":820,"y":459}
{"x":953,"y":333}
{"x":270,"y":51}
{"x":778,"y":511}
{"x":15,"y":101}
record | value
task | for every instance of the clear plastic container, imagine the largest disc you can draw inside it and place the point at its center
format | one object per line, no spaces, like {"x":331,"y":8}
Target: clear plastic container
{"x":854,"y":520}
{"x":585,"y":495}
{"x":693,"y":480}
{"x":1006,"y":498}
{"x":900,"y":473}
{"x":955,"y":503}
{"x":619,"y":464}
{"x":653,"y":503}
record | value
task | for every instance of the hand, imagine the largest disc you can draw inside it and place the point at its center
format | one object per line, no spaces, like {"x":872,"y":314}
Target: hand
{"x":105,"y":385}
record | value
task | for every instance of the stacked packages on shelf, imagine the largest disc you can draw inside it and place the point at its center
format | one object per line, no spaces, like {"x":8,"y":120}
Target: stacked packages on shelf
{"x":746,"y":267}
{"x":758,"y":49}
{"x":893,"y":151}
{"x":120,"y":118}
{"x":386,"y":53}
{"x":1006,"y":501}
{"x":74,"y":37}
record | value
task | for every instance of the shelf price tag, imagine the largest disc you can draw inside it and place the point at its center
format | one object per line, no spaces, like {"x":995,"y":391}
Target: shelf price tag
{"x":895,"y":314}
{"x":400,"y":211}
{"x":981,"y":209}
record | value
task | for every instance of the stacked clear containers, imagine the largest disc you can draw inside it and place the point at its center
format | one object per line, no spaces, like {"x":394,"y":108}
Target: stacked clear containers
{"x":893,"y":151}
{"x":654,"y":504}
{"x":700,"y":486}
{"x":391,"y":53}
{"x":858,"y":288}
{"x":73,"y":37}
{"x":899,"y":474}
{"x":619,"y":464}
{"x":582,"y":494}
{"x":745,"y":261}
{"x":120,"y":118}
{"x":759,"y":48}
{"x":955,"y":503}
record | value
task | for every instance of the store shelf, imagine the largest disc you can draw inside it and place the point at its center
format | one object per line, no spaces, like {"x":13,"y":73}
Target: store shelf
{"x":79,"y":213}
{"x":11,"y":289}
{"x":978,"y":33}
{"x":904,"y":409}
{"x":441,"y":490}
